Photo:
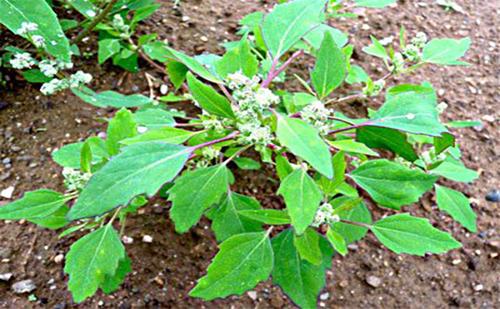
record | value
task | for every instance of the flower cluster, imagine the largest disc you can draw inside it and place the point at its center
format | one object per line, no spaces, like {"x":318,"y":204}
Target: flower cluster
{"x":75,"y":180}
{"x":317,"y":115}
{"x":22,"y":61}
{"x":325,"y":215}
{"x":120,"y":26}
{"x":374,"y":89}
{"x":413,"y":51}
{"x":74,"y":81}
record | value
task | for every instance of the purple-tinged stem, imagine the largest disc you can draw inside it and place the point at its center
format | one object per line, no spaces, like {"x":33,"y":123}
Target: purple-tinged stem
{"x":215,"y":141}
{"x":356,"y":126}
{"x":273,"y":72}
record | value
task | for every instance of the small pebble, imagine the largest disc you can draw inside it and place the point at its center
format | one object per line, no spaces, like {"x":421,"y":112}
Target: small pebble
{"x":59,"y":258}
{"x":456,"y":261}
{"x":147,"y":239}
{"x":324,"y":296}
{"x":493,"y":196}
{"x":25,"y":286}
{"x":7,"y":193}
{"x":373,"y":281}
{"x":127,"y":240}
{"x":478,"y":287}
{"x":163,"y":89}
{"x":5,"y":277}
{"x":252,"y":295}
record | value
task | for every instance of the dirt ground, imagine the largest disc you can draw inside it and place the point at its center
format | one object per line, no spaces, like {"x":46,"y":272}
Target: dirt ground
{"x":31,"y":126}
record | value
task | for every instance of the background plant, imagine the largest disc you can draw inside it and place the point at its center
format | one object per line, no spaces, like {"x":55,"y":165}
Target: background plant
{"x":321,"y":157}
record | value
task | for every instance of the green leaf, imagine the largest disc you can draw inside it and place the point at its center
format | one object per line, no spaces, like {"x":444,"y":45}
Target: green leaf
{"x":351,"y":233}
{"x":35,"y":204}
{"x":86,"y":157}
{"x":455,"y":170}
{"x":167,"y":135}
{"x":304,"y":141}
{"x":289,"y":22}
{"x":307,"y":245}
{"x":457,"y":205}
{"x":35,"y":76}
{"x":91,"y":259}
{"x":209,"y":99}
{"x":243,"y":261}
{"x":389,"y":139}
{"x":154,"y":118}
{"x":54,"y":221}
{"x":348,"y":145}
{"x":426,"y":91}
{"x":315,"y":37}
{"x":444,"y":142}
{"x":84,"y":7}
{"x":192,"y":64}
{"x":140,"y":169}
{"x":187,"y":204}
{"x":227,"y":219}
{"x":283,"y":167}
{"x":302,"y":198}
{"x":464,"y":124}
{"x":376,"y":49}
{"x":299,"y":279}
{"x":238,"y":59}
{"x":247,"y":163}
{"x":446,"y":51}
{"x":403,"y":233}
{"x":122,"y":126}
{"x":330,"y":69}
{"x":411,"y":113}
{"x":177,"y":73}
{"x":267,"y":216}
{"x":329,"y":186}
{"x":16,"y":12}
{"x":357,"y":75}
{"x":156,"y":50}
{"x":112,"y":283}
{"x":107,"y":48}
{"x":374,"y":3}
{"x":70,"y":155}
{"x":391,"y":184}
{"x":337,"y":241}
{"x":110,"y":98}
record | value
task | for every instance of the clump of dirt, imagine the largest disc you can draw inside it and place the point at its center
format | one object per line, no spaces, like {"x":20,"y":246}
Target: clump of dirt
{"x":32,"y":126}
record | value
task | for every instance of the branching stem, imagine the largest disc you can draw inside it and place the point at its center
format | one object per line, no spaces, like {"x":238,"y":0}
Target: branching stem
{"x":275,"y":72}
{"x":95,"y":22}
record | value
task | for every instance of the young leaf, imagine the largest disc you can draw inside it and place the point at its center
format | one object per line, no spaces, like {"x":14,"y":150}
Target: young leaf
{"x":243,"y":261}
{"x":36,"y":204}
{"x":391,"y":184}
{"x":403,"y":233}
{"x":86,"y":157}
{"x":348,"y":145}
{"x":238,"y":59}
{"x":154,"y":118}
{"x":455,"y":170}
{"x":302,"y":198}
{"x":384,"y":138}
{"x":227,"y":219}
{"x":112,"y":283}
{"x":110,"y":98}
{"x":91,"y":259}
{"x":140,"y":169}
{"x":177,"y":73}
{"x":315,"y":37}
{"x":330,"y":69}
{"x":84,"y":7}
{"x":54,"y":221}
{"x":187,"y":204}
{"x":307,"y":245}
{"x":457,"y":206}
{"x":267,"y":216}
{"x":376,"y":49}
{"x":107,"y":49}
{"x":167,"y":135}
{"x":337,"y":241}
{"x":289,"y":22}
{"x":304,"y":141}
{"x":446,"y":51}
{"x":444,"y":142}
{"x":360,"y":213}
{"x":329,"y":186}
{"x":247,"y":163}
{"x":192,"y":64}
{"x":156,"y":50}
{"x":70,"y":155}
{"x":299,"y":279}
{"x":209,"y":99}
{"x":283,"y":167}
{"x":122,"y":126}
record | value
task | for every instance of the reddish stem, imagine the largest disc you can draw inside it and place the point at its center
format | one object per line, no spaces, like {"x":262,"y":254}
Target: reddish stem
{"x":273,"y":72}
{"x":215,"y":141}
{"x":356,"y":126}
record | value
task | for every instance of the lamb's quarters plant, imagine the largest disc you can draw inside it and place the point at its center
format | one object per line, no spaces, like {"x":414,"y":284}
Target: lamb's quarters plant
{"x":322,"y":158}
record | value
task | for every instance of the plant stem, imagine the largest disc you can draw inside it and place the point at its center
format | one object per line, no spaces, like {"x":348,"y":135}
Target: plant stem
{"x":216,"y":141}
{"x":226,"y":93}
{"x":356,"y":223}
{"x":94,"y":22}
{"x":352,"y":127}
{"x":275,"y":72}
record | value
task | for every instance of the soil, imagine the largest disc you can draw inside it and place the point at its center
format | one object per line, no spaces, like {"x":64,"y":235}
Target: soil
{"x":32,"y":126}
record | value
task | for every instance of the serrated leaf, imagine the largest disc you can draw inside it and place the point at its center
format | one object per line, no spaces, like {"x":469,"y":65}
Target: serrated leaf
{"x":304,"y":141}
{"x":289,"y":22}
{"x":91,"y":259}
{"x":267,"y":216}
{"x":122,"y":126}
{"x":243,"y":261}
{"x":337,"y":241}
{"x":107,"y":48}
{"x":112,"y":283}
{"x":403,"y":233}
{"x":391,"y":184}
{"x":444,"y":142}
{"x":445,"y":51}
{"x":140,"y":169}
{"x":209,"y":99}
{"x":167,"y":135}
{"x":177,"y":73}
{"x":110,"y":98}
{"x":329,"y":186}
{"x":193,"y":64}
{"x":54,"y":221}
{"x":315,"y":36}
{"x":283,"y":167}
{"x":302,"y":198}
{"x":227,"y":219}
{"x":330,"y":69}
{"x":455,"y":170}
{"x":34,"y":205}
{"x":299,"y":279}
{"x":307,"y":246}
{"x":389,"y":139}
{"x":187,"y":204}
{"x":360,"y":213}
{"x":357,"y":75}
{"x":457,"y":205}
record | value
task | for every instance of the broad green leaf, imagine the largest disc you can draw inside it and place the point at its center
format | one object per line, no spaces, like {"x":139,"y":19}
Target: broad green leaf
{"x":348,"y":145}
{"x":411,"y":113}
{"x":139,"y":169}
{"x":16,"y":12}
{"x":455,"y":170}
{"x":464,"y":124}
{"x":443,"y":142}
{"x":144,"y":12}
{"x":283,"y":167}
{"x":177,"y":73}
{"x":110,"y":98}
{"x":299,"y":279}
{"x":194,"y":192}
{"x":127,"y":59}
{"x":86,"y":158}
{"x":120,"y":127}
{"x":304,"y":141}
{"x":376,"y":49}
{"x":267,"y":216}
{"x":389,"y":139}
{"x":446,"y":51}
{"x":391,"y":184}
{"x":357,"y":75}
{"x":33,"y":205}
{"x":112,"y":283}
{"x":54,"y":221}
{"x":337,"y":241}
{"x":107,"y":48}
{"x":193,"y":65}
{"x":403,"y":233}
{"x":209,"y":99}
{"x":84,"y":7}
{"x":329,"y":186}
{"x":243,"y":261}
{"x":351,"y":233}
{"x":227,"y":219}
{"x":91,"y":259}
{"x":154,"y":118}
{"x":315,"y":36}
{"x":238,"y":59}
{"x":457,"y":205}
{"x":307,"y":245}
{"x":330,"y":69}
{"x":426,"y":91}
{"x":289,"y":22}
{"x":247,"y":163}
{"x":35,"y":76}
{"x":302,"y":198}
{"x":374,"y":3}
{"x":156,"y":50}
{"x":70,"y":155}
{"x":167,"y":135}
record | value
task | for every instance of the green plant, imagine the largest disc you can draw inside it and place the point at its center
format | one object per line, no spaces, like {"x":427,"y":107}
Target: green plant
{"x":321,"y":158}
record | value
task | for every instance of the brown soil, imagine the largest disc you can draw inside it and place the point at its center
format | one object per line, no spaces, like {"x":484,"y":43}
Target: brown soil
{"x":31,"y":126}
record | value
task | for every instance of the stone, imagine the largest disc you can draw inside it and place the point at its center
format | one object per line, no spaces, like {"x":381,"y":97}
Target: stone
{"x":252,"y":295}
{"x":7,"y":193}
{"x":324,"y":296}
{"x":147,"y":239}
{"x":493,"y":196}
{"x":6,"y":276}
{"x":59,"y":258}
{"x":24,"y":286}
{"x":373,"y":281}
